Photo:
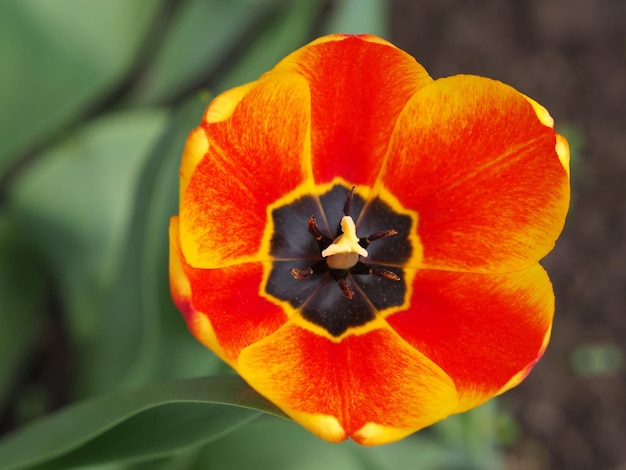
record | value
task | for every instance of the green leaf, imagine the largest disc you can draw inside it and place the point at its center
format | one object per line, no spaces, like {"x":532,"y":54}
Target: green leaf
{"x":135,"y":425}
{"x":22,"y":296}
{"x":178,"y":354}
{"x":76,"y":205}
{"x":290,"y":29}
{"x":301,"y":450}
{"x":359,"y":17}
{"x":472,"y":438}
{"x":153,"y":342}
{"x":60,"y":57}
{"x":600,"y":359}
{"x":276,"y":444}
{"x":199,"y":37}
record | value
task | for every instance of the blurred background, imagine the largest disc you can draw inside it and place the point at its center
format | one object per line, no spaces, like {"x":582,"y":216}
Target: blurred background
{"x":96,"y":99}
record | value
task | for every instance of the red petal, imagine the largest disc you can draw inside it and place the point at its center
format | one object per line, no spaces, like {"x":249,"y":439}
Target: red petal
{"x":359,"y":85}
{"x":254,"y":157}
{"x":472,"y":157}
{"x":375,"y":386}
{"x":222,"y":307}
{"x":482,"y":329}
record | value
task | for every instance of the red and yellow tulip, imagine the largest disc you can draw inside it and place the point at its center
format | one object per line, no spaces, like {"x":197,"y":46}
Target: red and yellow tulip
{"x":361,"y":242}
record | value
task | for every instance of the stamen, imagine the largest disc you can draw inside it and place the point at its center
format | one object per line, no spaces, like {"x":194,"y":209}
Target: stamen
{"x":362,"y":268}
{"x":385,"y":273}
{"x":348,"y":203}
{"x":381,"y":234}
{"x":345,"y":288}
{"x":314,"y":229}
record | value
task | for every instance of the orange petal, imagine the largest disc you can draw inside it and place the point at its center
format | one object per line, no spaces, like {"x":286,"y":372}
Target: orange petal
{"x":481,"y":329}
{"x":222,"y":307}
{"x":197,"y":144}
{"x":474,"y":159}
{"x":372,"y":387}
{"x":359,"y":84}
{"x":254,"y":157}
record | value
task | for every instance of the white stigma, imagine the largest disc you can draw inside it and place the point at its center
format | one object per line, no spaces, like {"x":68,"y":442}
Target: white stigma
{"x":345,"y":250}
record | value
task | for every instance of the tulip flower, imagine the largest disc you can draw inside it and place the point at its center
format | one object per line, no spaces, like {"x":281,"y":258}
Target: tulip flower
{"x":361,"y":243}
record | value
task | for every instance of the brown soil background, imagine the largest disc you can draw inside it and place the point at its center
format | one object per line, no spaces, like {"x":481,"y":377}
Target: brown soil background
{"x":570,"y":55}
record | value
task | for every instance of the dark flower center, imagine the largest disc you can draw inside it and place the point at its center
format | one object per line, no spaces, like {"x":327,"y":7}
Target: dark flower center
{"x":321,"y":267}
{"x":343,"y":254}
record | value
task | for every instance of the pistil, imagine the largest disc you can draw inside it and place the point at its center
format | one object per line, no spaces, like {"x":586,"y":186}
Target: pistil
{"x":345,"y":250}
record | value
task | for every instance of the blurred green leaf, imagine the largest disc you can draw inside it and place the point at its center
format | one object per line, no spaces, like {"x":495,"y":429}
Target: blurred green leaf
{"x":22,"y":296}
{"x":179,"y":461}
{"x":143,"y":335}
{"x":178,"y":355}
{"x":420,"y":449}
{"x":471,"y":438}
{"x":290,"y":29}
{"x":200,"y":35}
{"x":58,"y":58}
{"x":359,"y":17}
{"x":76,"y":204}
{"x":597,"y":359}
{"x":301,"y":450}
{"x":134,"y":425}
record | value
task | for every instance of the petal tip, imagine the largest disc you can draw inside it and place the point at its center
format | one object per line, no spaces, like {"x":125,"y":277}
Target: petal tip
{"x":542,"y":113}
{"x":561,"y":147}
{"x":223,"y":105}
{"x":325,"y":426}
{"x":562,"y":150}
{"x":372,"y":434}
{"x":341,"y":37}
